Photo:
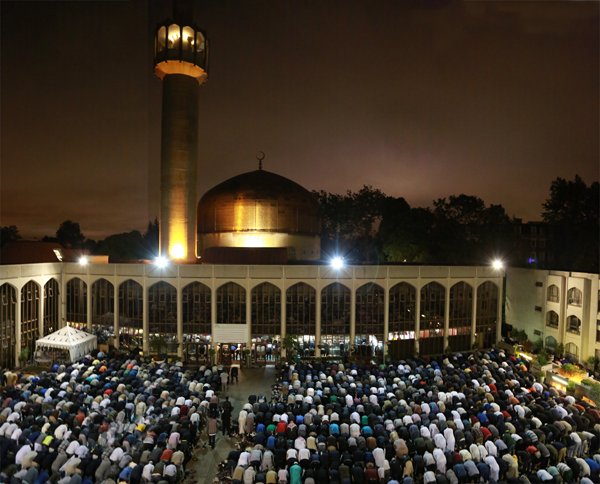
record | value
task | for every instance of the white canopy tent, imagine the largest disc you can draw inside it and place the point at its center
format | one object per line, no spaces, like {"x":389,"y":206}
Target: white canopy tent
{"x":77,"y":343}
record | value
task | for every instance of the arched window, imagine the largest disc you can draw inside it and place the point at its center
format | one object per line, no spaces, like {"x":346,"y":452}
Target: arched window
{"x":162,"y":317}
{"x":402,"y":309}
{"x":552,"y":319}
{"x":461,"y":310}
{"x":103,"y":305}
{"x":552,"y":293}
{"x":431,"y":336}
{"x":433,"y":301}
{"x":51,"y":306}
{"x":231,"y":304}
{"x":369,"y":312}
{"x":30,"y":304}
{"x":574,"y":297}
{"x":335,"y":319}
{"x":335,"y":309}
{"x":551,"y":342}
{"x":77,"y":303}
{"x":131,"y":311}
{"x":574,"y":325}
{"x":301,"y":315}
{"x":572,"y":351}
{"x":196,"y":306}
{"x":8,"y":311}
{"x":266,"y":310}
{"x":487,"y":314}
{"x":301,"y":309}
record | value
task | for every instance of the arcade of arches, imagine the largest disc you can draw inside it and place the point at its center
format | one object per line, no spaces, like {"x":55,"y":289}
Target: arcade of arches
{"x":332,"y":321}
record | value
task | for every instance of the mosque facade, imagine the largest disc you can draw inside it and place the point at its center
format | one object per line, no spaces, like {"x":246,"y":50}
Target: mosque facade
{"x":190,"y":308}
{"x":244,"y":271}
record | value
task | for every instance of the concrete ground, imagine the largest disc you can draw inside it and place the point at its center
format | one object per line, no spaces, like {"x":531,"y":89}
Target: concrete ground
{"x":203,"y":467}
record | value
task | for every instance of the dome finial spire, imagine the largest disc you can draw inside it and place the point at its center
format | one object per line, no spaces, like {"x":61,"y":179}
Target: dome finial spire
{"x":260,"y":156}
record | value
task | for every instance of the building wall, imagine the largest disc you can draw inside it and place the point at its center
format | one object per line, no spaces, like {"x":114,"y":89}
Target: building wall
{"x":530,"y":299}
{"x":248,"y":277}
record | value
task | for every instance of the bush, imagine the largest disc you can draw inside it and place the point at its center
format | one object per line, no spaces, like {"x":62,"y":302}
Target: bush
{"x":569,"y":369}
{"x":538,"y":345}
{"x":520,"y":336}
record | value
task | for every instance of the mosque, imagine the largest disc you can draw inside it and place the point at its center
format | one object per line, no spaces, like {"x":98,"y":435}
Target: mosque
{"x":241,"y":268}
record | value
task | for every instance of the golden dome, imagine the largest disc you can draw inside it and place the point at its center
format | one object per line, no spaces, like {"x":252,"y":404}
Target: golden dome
{"x":258,"y":201}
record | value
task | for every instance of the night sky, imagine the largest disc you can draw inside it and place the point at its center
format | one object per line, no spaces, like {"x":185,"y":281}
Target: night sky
{"x":489,"y":99}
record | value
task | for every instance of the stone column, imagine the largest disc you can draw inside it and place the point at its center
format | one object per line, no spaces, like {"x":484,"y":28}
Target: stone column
{"x":446,"y":315}
{"x":417,"y":317}
{"x":18,"y":329}
{"x":352,"y":317}
{"x":116,"y":327}
{"x":145,"y":322}
{"x":89,"y":305}
{"x":179,"y":320}
{"x":386,"y":320}
{"x":318,"y":322}
{"x":41,"y":312}
{"x":474,"y":316}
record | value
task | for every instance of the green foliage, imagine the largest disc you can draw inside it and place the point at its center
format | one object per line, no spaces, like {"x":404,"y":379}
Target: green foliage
{"x":571,"y":387}
{"x":592,"y":390}
{"x":542,"y":359}
{"x":559,"y":351}
{"x":291,"y":346}
{"x":569,"y":369}
{"x":592,"y":362}
{"x":8,"y":234}
{"x":538,"y":345}
{"x":24,"y":355}
{"x":520,"y":336}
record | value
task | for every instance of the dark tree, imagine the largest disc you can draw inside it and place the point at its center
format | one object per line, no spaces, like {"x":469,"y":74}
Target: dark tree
{"x":151,"y":240}
{"x":405,"y":233}
{"x":349,"y":223}
{"x":69,"y":235}
{"x":572,"y":213}
{"x":466,"y":231}
{"x":8,"y":234}
{"x":123,"y":247}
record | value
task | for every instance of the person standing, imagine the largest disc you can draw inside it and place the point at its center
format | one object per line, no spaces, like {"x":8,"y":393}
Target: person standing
{"x":212,"y":430}
{"x":226,"y":410}
{"x":234,"y":375}
{"x":224,"y":379}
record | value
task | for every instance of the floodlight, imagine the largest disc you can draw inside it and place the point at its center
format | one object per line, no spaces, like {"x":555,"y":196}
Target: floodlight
{"x":337,"y":262}
{"x":161,"y":262}
{"x":497,"y":264}
{"x":83,"y":260}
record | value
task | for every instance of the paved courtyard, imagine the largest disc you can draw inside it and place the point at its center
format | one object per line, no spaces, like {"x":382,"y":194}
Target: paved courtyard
{"x":204,"y":465}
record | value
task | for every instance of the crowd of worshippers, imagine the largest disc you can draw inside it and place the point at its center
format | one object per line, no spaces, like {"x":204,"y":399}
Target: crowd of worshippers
{"x":104,"y":420}
{"x":461,"y":419}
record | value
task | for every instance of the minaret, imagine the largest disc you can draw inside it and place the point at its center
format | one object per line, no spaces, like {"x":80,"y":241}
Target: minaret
{"x":180,"y":61}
